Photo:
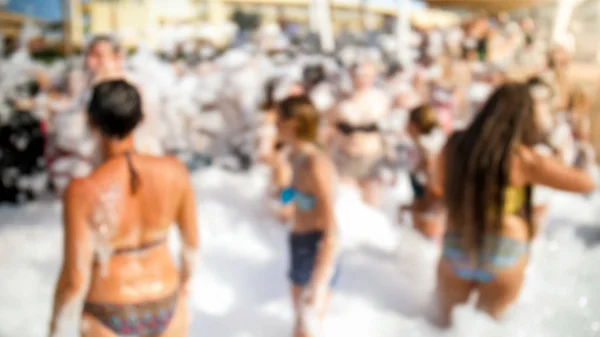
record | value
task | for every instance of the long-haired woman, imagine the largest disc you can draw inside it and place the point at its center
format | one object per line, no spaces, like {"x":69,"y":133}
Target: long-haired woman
{"x":313,"y":238}
{"x":117,"y":266}
{"x":485,"y":174}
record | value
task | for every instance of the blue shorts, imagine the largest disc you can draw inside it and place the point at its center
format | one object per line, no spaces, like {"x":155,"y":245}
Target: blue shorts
{"x":303,"y":249}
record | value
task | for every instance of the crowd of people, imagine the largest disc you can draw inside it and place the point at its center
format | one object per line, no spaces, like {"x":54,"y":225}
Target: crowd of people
{"x":483,"y":154}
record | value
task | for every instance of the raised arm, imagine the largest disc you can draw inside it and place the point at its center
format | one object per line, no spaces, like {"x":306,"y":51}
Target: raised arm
{"x":188,"y":228}
{"x":322,"y":173}
{"x":75,"y":274}
{"x":547,"y":171}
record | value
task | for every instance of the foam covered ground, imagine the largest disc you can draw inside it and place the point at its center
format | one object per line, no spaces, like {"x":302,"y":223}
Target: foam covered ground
{"x":386,"y":285}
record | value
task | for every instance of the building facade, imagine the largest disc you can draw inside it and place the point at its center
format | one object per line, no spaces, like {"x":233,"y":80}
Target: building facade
{"x":11,"y":28}
{"x":131,"y":19}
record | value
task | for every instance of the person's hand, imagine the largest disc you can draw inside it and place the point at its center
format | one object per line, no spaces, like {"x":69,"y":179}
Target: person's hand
{"x":315,"y":296}
{"x":185,"y":289}
{"x":285,"y":214}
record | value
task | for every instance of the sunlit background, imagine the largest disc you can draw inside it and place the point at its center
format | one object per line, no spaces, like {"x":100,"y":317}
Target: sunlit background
{"x":241,"y":289}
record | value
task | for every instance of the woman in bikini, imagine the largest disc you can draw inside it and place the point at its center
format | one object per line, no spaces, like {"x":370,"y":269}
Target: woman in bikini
{"x":313,"y":238}
{"x":485,"y":174}
{"x":357,"y":144}
{"x":117,"y":266}
{"x":428,"y":140}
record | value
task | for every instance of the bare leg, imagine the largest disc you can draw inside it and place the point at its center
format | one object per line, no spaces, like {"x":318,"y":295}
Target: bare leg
{"x":496,"y":296}
{"x":451,"y":291}
{"x":296,"y":301}
{"x":296,"y":298}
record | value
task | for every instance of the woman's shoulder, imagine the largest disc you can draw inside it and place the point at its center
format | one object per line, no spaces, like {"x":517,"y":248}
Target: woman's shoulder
{"x":168,"y":161}
{"x":170,"y":164}
{"x":319,"y":161}
{"x":77,"y":187}
{"x":80,"y":191}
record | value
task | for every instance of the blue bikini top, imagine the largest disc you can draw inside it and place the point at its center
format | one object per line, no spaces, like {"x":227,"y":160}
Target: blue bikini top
{"x":305,"y":202}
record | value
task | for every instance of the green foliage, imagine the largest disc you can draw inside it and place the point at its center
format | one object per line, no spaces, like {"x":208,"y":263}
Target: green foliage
{"x":47,"y":56}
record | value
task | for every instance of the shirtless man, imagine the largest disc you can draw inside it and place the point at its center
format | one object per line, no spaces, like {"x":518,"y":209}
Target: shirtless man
{"x":357,"y":145}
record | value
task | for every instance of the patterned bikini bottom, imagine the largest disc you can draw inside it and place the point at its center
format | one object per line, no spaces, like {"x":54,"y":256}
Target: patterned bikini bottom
{"x":148,"y":319}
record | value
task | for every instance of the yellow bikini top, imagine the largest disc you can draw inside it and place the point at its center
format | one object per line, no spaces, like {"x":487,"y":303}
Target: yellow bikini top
{"x":514,"y":199}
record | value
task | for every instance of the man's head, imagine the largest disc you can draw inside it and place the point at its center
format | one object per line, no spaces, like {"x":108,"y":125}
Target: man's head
{"x":103,"y":55}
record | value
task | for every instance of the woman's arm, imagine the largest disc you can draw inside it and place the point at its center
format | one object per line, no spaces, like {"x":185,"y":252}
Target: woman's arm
{"x":74,"y":279}
{"x":188,"y":228}
{"x":322,"y":173}
{"x":438,"y":176}
{"x":547,"y":171}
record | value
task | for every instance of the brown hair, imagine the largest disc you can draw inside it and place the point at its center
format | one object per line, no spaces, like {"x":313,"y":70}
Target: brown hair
{"x":301,"y":109}
{"x":478,"y":165}
{"x":424,"y":118}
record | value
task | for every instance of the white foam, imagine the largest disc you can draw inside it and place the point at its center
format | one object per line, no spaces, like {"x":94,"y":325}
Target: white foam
{"x":387,"y":277}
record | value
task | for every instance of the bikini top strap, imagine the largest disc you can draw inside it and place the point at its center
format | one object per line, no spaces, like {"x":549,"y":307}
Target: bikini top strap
{"x":134,"y":177}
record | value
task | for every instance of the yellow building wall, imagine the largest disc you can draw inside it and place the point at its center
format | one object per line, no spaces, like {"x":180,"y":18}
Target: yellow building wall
{"x":74,"y":26}
{"x":137,"y":18}
{"x":102,"y":20}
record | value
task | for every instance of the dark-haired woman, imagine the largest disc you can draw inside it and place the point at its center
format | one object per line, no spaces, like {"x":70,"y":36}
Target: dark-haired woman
{"x":313,"y":239}
{"x":485,"y":174}
{"x":428,"y":140}
{"x":117,"y":266}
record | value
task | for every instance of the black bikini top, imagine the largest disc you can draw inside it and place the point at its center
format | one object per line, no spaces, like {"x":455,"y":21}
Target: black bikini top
{"x":348,"y":129}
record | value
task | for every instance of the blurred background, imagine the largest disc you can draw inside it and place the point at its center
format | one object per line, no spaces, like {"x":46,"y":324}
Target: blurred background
{"x":204,"y":66}
{"x":63,"y":27}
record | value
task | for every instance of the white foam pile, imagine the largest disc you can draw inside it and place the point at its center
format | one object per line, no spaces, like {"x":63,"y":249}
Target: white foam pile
{"x":387,"y":277}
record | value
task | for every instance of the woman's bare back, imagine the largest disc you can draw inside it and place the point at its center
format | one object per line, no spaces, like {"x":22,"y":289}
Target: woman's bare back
{"x":129,"y":230}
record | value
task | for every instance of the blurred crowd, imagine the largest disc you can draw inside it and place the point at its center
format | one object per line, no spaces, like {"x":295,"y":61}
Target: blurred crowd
{"x":476,"y":147}
{"x":212,"y":106}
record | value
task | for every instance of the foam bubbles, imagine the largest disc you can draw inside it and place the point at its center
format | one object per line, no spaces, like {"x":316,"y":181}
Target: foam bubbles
{"x":386,"y":285}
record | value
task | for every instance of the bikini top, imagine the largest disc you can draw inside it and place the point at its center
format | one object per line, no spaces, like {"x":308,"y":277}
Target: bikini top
{"x":498,"y":252}
{"x":141,"y":247}
{"x":514,"y":199}
{"x":304,"y":202}
{"x":103,"y":213}
{"x":348,"y":129}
